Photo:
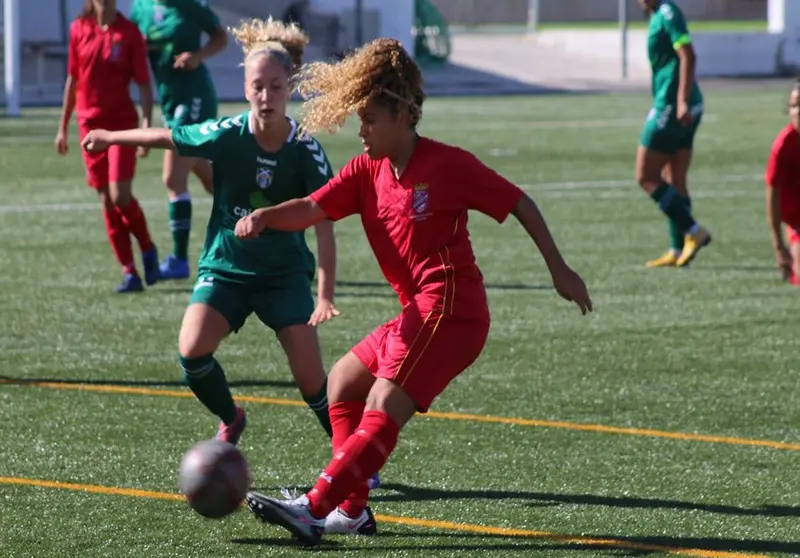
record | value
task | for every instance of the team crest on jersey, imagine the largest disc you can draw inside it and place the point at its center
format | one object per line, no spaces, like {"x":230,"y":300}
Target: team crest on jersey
{"x":116,"y":51}
{"x":158,"y":13}
{"x":419,"y":202}
{"x":263,"y":177}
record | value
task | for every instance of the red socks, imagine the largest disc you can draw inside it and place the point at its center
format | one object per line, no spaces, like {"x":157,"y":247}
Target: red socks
{"x":362,"y":455}
{"x":120,"y":239}
{"x":345,"y":418}
{"x":134,"y":219}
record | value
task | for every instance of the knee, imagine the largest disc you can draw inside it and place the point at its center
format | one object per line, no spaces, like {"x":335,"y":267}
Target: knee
{"x":196,"y":367}
{"x":121,"y":199}
{"x":175,"y":183}
{"x":191,"y":344}
{"x":105,"y":200}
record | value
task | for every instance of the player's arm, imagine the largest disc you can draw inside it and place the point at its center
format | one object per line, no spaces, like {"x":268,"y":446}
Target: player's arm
{"x":316,"y":174}
{"x":151,"y":138}
{"x":491,"y":194}
{"x":69,"y":97}
{"x":141,"y":75}
{"x":675,"y":25}
{"x":774,"y":181}
{"x":340,"y":197}
{"x":208,"y":21}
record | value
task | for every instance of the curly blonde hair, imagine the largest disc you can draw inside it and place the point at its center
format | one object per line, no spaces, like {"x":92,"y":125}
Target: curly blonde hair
{"x":272,"y":38}
{"x":381,"y":71}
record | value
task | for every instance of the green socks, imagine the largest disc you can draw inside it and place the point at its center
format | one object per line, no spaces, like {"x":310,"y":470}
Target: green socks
{"x":206,"y":379}
{"x":319,"y":404}
{"x":180,"y":223}
{"x":676,"y":234}
{"x":673,"y":206}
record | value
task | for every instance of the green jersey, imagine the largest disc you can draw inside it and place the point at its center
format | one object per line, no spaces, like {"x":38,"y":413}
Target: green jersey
{"x":668,"y":32}
{"x":246,"y":178}
{"x":170,"y":28}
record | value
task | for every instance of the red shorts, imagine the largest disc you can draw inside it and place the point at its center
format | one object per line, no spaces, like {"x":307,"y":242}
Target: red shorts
{"x":116,"y":164}
{"x":422,"y":353}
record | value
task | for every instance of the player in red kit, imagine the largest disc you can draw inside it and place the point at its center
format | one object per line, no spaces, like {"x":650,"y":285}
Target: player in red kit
{"x":106,"y":53}
{"x":413,"y":195}
{"x":782,"y":177}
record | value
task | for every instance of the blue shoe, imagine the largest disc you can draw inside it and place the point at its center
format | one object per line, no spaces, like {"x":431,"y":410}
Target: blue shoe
{"x":150,"y":263}
{"x":374,"y":482}
{"x":174,"y":268}
{"x":131,"y":283}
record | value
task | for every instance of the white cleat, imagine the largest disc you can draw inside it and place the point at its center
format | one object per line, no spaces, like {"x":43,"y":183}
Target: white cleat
{"x":339,"y":523}
{"x":293,"y":515}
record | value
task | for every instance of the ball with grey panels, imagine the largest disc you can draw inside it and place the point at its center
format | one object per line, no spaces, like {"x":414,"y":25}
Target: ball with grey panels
{"x":214,"y":478}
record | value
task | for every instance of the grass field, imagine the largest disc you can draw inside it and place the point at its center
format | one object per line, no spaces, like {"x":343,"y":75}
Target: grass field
{"x":666,"y":423}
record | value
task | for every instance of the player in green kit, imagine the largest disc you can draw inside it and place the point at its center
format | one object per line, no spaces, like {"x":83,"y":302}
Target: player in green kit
{"x":173,"y":30}
{"x":665,"y":146}
{"x":260,"y":159}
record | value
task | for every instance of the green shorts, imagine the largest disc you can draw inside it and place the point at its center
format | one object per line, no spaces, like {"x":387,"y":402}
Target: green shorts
{"x":190,"y":110}
{"x":278,"y":302}
{"x":663,"y":133}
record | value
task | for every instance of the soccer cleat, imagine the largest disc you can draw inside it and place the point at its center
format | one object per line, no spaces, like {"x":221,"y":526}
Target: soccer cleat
{"x":131,"y":283}
{"x":669,"y":259}
{"x":174,"y":268}
{"x":794,"y":280}
{"x":374,"y":481}
{"x":232,"y":432}
{"x":150,"y":264}
{"x":339,"y":523}
{"x":293,"y":515}
{"x":692,"y":244}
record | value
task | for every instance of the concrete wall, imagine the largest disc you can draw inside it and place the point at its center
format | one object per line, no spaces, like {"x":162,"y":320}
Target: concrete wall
{"x":474,"y":12}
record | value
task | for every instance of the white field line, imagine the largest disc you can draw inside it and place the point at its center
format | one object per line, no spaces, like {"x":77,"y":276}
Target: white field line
{"x":566,"y":190}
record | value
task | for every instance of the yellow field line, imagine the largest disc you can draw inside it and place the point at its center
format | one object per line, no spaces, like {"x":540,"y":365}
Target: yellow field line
{"x":584,"y":427}
{"x":414,"y":522}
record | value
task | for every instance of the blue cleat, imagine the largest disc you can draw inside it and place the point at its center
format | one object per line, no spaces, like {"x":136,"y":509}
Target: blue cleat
{"x":150,"y":262}
{"x":374,"y":481}
{"x":131,"y":283}
{"x":174,"y":268}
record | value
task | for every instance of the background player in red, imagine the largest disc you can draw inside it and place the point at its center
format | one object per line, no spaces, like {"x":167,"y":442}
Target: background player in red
{"x":413,"y":195}
{"x":783,"y":191}
{"x":106,"y":53}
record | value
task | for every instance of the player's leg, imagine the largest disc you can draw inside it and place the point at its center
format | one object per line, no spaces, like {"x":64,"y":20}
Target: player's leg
{"x":697,"y":237}
{"x":215,"y":310}
{"x":175,"y":174}
{"x":97,"y":176}
{"x":794,"y":250}
{"x":204,"y":172}
{"x":671,"y":174}
{"x":122,"y":167}
{"x":416,"y":363}
{"x":656,"y":149}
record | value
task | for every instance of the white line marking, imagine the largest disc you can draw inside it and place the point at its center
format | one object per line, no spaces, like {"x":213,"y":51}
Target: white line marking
{"x":567,"y":190}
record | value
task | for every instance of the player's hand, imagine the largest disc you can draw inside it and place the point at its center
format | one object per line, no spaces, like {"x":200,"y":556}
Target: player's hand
{"x":62,"y":147}
{"x":142,"y":152}
{"x":96,"y":141}
{"x":186,"y":61}
{"x":571,"y":287}
{"x":684,"y":115}
{"x":324,"y":312}
{"x":249,"y":226}
{"x":784,"y":259}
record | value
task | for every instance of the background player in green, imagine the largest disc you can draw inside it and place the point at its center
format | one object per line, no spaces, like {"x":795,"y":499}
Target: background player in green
{"x":665,"y":146}
{"x":173,"y":30}
{"x":259,"y":159}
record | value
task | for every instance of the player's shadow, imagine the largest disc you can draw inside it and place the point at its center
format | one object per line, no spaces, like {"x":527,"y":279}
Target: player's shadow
{"x":396,"y":492}
{"x":607,"y":543}
{"x":140,"y":383}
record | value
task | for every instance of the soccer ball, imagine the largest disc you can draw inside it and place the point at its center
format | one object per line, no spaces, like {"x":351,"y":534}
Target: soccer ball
{"x":214,"y":478}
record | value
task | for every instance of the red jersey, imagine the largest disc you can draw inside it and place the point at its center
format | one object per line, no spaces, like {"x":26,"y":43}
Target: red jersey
{"x":783,"y":171}
{"x":417,"y":225}
{"x":103,"y":63}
